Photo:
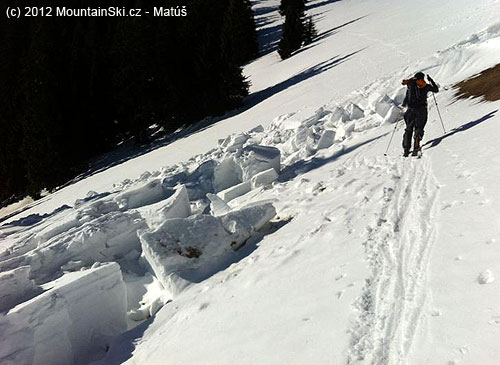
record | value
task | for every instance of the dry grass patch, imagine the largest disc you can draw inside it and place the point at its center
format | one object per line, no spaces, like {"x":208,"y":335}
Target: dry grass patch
{"x":485,"y":85}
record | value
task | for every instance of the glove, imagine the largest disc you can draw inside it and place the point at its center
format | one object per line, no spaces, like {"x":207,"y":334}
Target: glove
{"x":430,"y":79}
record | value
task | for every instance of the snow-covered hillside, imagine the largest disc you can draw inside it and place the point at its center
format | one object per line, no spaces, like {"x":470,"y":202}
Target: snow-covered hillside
{"x":283,"y":235}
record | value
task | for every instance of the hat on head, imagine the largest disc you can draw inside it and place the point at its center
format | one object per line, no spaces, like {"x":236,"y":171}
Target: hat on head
{"x":419,"y":76}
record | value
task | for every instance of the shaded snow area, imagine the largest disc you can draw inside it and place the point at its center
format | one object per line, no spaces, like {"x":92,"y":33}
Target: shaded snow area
{"x":293,"y":240}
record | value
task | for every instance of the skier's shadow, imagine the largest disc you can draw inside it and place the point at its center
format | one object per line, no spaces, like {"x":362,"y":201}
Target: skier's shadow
{"x":434,"y":142}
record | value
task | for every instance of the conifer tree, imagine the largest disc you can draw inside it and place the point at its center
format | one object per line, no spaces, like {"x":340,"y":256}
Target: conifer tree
{"x":239,"y":38}
{"x":73,"y":87}
{"x":310,"y":31}
{"x":297,"y":29}
{"x":293,"y":27}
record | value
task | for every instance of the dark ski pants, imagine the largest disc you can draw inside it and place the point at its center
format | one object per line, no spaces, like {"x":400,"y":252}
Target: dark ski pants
{"x":415,"y":119}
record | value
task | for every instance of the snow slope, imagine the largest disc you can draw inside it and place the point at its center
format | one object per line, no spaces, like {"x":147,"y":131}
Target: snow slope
{"x":369,"y":260}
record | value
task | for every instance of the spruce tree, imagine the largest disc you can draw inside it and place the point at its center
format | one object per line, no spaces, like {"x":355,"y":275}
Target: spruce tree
{"x":67,"y":81}
{"x":310,"y":31}
{"x":239,"y":37}
{"x":297,"y":29}
{"x":293,"y":27}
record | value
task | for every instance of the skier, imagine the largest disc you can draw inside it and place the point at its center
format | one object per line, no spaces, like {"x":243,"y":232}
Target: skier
{"x":416,"y":114}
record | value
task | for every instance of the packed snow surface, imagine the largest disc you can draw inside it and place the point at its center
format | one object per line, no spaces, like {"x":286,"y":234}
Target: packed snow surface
{"x":283,"y":234}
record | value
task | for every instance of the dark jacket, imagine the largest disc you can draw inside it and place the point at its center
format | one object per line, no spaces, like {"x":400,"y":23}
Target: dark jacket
{"x":416,"y":97}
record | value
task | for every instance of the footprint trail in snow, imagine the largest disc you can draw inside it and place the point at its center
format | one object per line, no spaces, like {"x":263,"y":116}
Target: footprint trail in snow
{"x":398,"y":245}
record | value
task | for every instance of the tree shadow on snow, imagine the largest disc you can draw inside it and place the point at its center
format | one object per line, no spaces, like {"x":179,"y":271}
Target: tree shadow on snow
{"x":32,"y":219}
{"x":327,"y":33}
{"x":304,"y":75}
{"x":319,"y":4}
{"x":434,"y":142}
{"x":268,"y":38}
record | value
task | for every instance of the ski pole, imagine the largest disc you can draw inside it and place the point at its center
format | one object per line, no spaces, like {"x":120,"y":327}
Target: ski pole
{"x":439,"y":113}
{"x":394,"y":131}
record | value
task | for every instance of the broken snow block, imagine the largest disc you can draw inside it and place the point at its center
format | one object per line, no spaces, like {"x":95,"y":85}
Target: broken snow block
{"x":235,"y":191}
{"x":226,"y":174}
{"x":236,"y":142}
{"x":399,"y":96}
{"x":339,"y":115}
{"x":15,"y":285}
{"x":177,"y":206}
{"x":264,"y":178}
{"x":393,"y":115}
{"x":314,"y":119}
{"x":184,"y":250}
{"x":96,"y":209}
{"x":344,"y":131}
{"x":200,"y":182}
{"x":242,"y":223}
{"x":70,"y":323}
{"x":258,"y":129}
{"x":217,"y":205}
{"x":302,"y":137}
{"x":174,"y":179}
{"x":257,"y":158}
{"x":326,"y":140}
{"x":383,"y":105}
{"x":106,"y":238}
{"x":355,"y":112}
{"x":147,"y":194}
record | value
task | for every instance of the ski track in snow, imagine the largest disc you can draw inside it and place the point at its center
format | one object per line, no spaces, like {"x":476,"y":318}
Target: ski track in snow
{"x":398,"y":245}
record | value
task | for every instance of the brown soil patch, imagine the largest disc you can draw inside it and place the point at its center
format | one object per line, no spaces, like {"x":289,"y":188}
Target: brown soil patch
{"x":485,"y":85}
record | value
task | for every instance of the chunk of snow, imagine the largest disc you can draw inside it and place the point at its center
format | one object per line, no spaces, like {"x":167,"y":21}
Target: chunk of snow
{"x":257,"y":158}
{"x":326,"y":139}
{"x":319,"y":114}
{"x":235,"y":191}
{"x":62,"y":225}
{"x":393,"y":115}
{"x":15,"y":285}
{"x":147,"y":194}
{"x":72,"y":322}
{"x":73,"y":265}
{"x":383,"y":106}
{"x":343,"y":131}
{"x":226,"y":174}
{"x":186,"y":250}
{"x":98,"y":208}
{"x":264,"y":178}
{"x":355,"y":112}
{"x":177,"y":206}
{"x":257,"y":129}
{"x":399,"y":96}
{"x":242,"y":223}
{"x":217,"y":205}
{"x":236,"y":142}
{"x":486,"y":277}
{"x":339,"y":115}
{"x":200,"y":182}
{"x":103,"y":239}
{"x":177,"y":250}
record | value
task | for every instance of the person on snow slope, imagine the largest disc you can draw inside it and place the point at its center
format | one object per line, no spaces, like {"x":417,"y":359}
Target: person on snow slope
{"x":416,"y":113}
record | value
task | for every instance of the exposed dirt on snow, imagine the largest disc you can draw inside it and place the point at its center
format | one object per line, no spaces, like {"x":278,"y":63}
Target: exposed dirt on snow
{"x":486,"y":85}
